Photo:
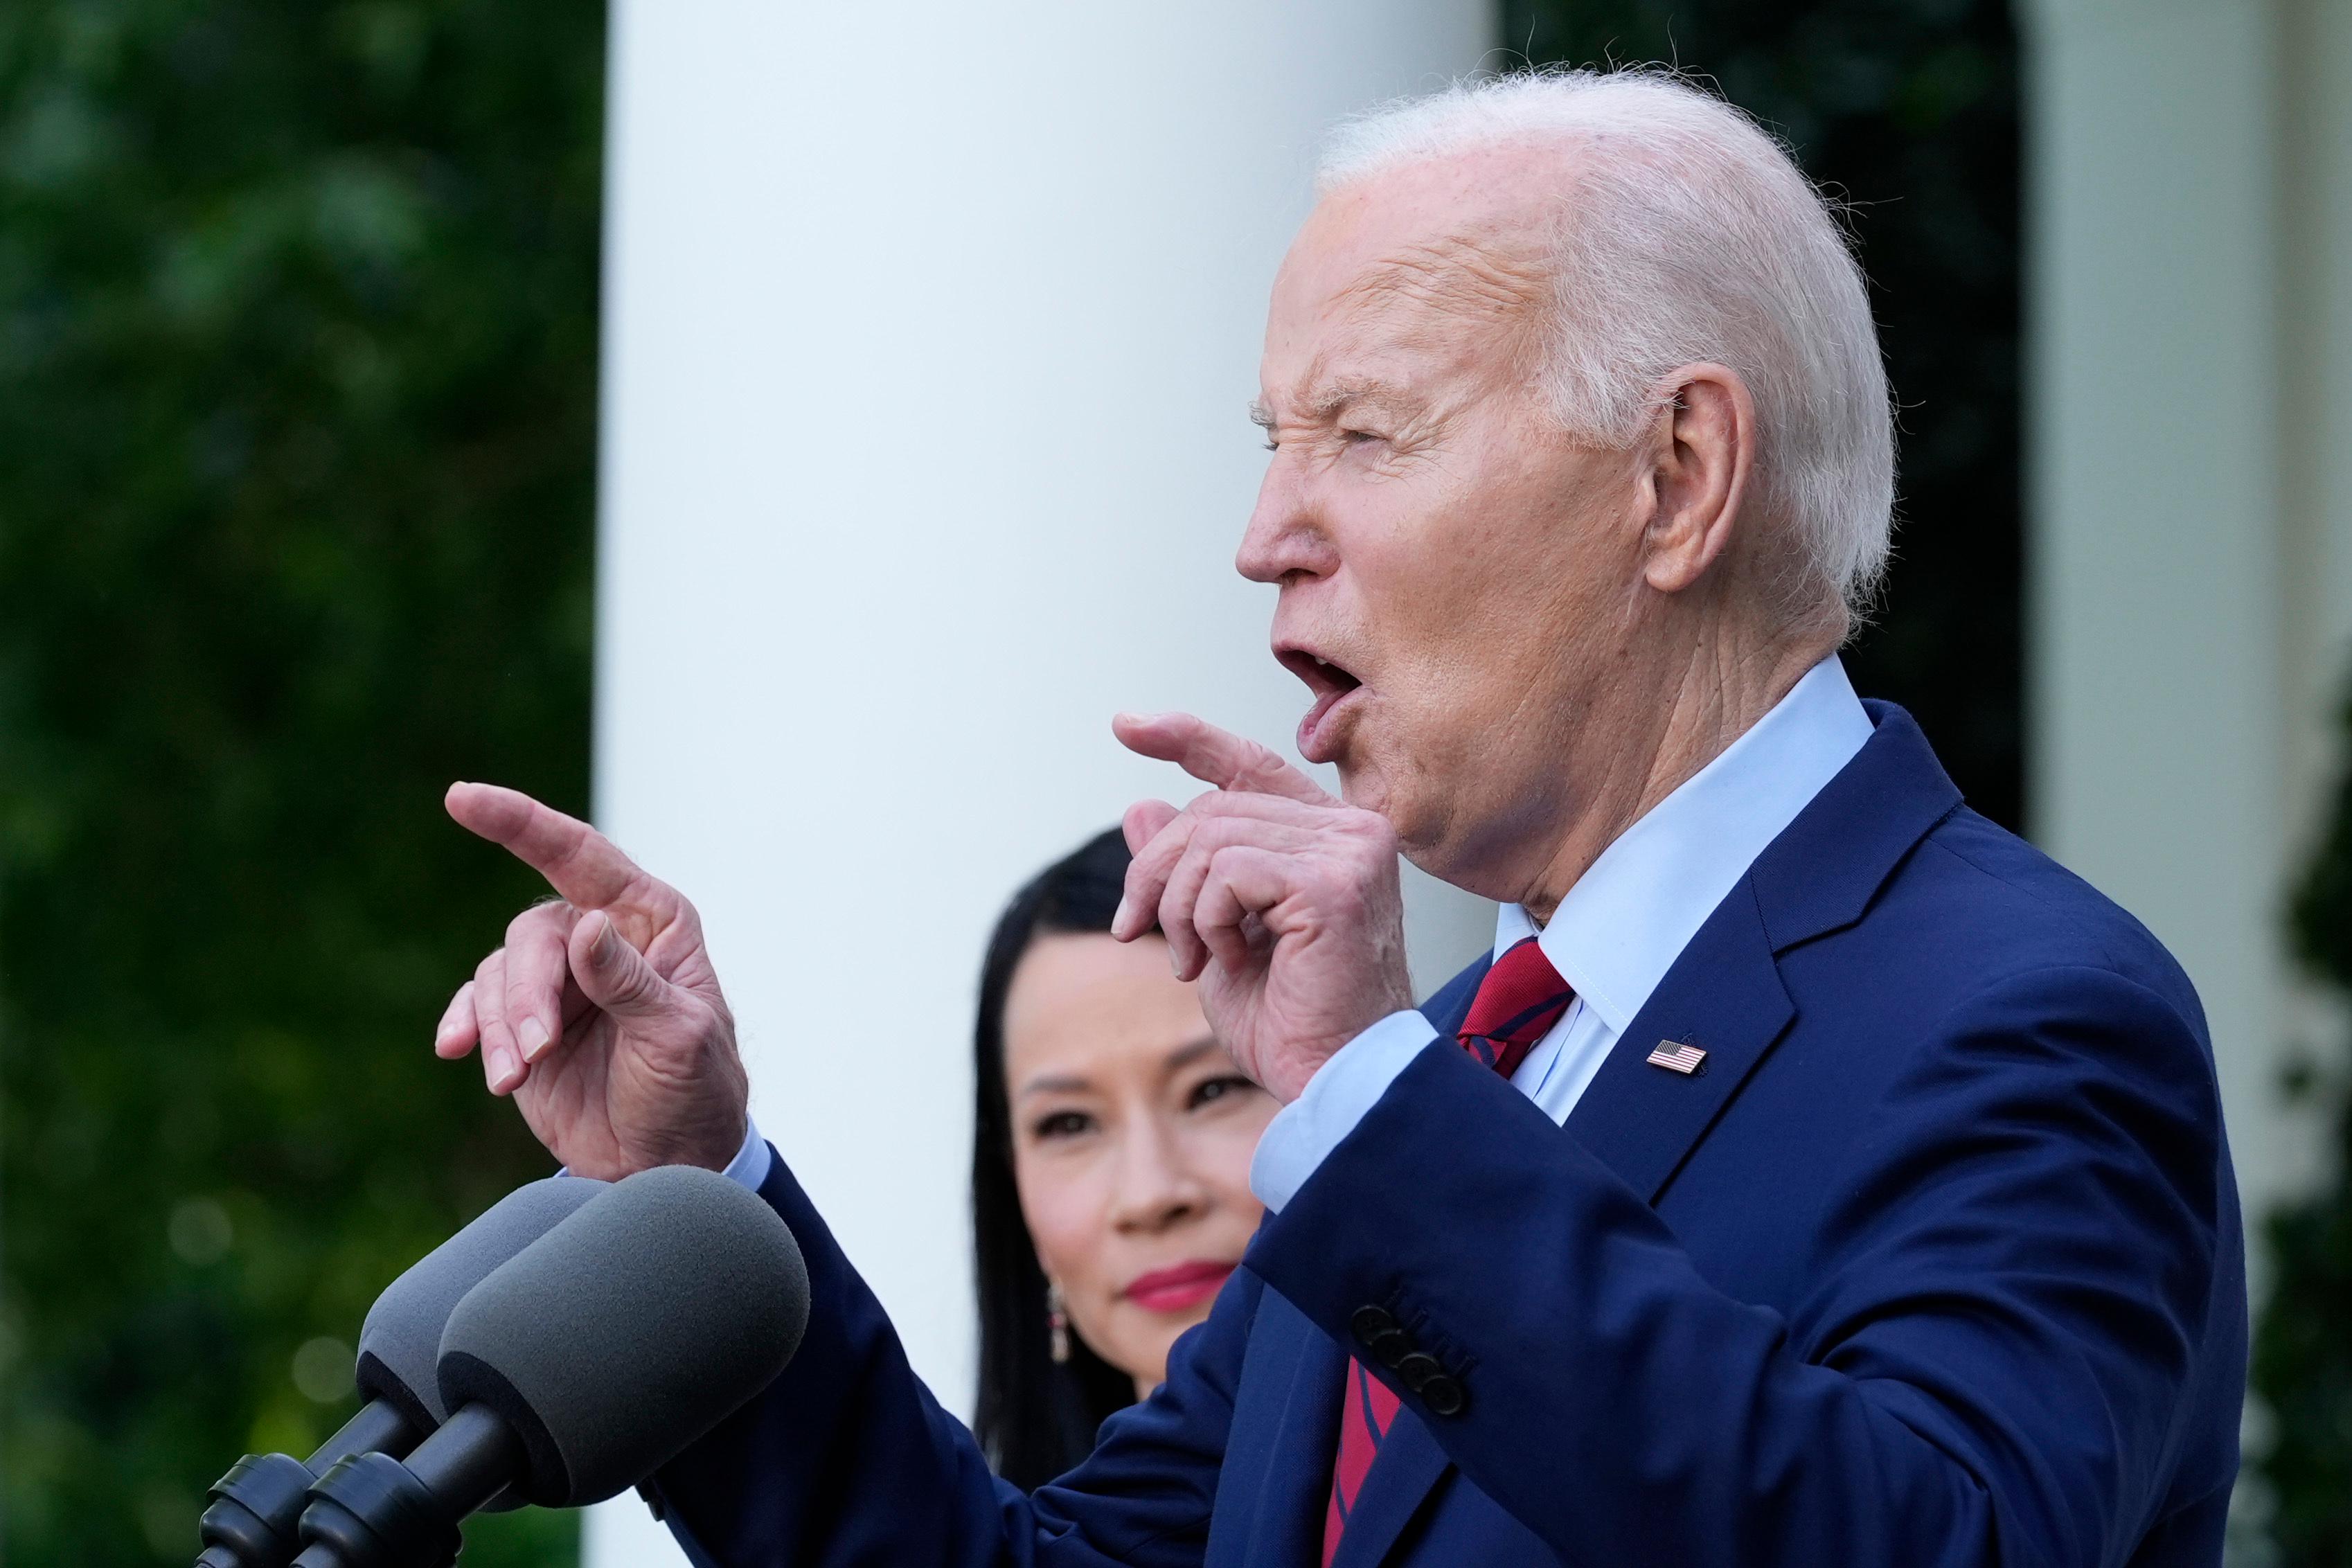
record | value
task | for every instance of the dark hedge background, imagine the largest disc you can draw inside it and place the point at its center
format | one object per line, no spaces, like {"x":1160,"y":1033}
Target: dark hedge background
{"x":2302,"y":1346}
{"x":296,"y":441}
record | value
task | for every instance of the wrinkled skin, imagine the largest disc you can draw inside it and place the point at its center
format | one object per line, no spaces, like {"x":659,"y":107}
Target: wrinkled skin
{"x":1517,"y":643}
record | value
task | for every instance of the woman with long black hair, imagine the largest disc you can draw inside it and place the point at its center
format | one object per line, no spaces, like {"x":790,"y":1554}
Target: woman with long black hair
{"x":1110,"y":1166}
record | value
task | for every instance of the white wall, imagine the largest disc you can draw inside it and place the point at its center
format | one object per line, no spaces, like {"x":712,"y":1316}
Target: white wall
{"x":2190,"y":290}
{"x":929,"y":332}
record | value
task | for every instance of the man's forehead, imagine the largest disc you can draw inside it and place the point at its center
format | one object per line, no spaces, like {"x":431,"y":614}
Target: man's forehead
{"x":1462,"y":275}
{"x":1409,"y":264}
{"x":1504,"y":200}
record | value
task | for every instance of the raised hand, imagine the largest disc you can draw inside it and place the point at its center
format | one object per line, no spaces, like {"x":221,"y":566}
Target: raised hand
{"x":1281,"y":900}
{"x":601,"y":1015}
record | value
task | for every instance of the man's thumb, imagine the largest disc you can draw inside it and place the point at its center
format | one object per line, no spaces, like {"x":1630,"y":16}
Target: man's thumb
{"x":613,"y":974}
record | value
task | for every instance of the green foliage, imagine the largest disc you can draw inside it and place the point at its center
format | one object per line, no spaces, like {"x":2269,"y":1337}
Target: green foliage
{"x":297,"y":414}
{"x":1907,"y":111}
{"x":2303,"y":1345}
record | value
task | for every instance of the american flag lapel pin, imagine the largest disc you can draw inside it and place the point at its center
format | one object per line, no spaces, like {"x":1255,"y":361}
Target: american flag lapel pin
{"x":1678,"y":1055}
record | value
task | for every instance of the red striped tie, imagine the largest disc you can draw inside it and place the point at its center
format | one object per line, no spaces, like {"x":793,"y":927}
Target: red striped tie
{"x":1518,"y":1002}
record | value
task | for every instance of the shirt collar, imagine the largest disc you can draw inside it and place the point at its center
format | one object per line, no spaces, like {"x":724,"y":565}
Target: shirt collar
{"x":1626,"y":920}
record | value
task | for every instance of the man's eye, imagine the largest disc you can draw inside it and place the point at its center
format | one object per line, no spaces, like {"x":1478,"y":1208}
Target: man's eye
{"x":1357,"y":438}
{"x":1064,"y":1124}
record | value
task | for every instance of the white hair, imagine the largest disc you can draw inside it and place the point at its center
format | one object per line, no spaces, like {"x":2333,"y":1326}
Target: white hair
{"x":1686,"y":233}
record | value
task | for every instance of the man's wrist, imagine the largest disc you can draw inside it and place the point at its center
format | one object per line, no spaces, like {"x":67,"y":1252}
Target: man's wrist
{"x":1347,"y":1085}
{"x":750,"y":1166}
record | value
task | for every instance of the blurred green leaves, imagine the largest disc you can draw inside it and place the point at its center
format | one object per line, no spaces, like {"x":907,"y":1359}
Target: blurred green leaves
{"x":2303,"y":1344}
{"x":297,"y":448}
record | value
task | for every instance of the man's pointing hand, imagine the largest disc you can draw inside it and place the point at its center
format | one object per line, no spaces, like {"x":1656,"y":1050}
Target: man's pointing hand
{"x":601,"y":1015}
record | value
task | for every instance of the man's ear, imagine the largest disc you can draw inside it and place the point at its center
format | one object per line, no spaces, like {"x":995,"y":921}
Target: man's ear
{"x":1703,"y":454}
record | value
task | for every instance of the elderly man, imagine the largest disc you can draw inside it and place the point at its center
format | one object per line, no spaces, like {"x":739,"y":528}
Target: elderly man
{"x":1813,"y":1174}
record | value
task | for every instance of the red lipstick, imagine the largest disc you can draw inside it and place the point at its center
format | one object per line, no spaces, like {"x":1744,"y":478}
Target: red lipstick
{"x":1179,"y":1289}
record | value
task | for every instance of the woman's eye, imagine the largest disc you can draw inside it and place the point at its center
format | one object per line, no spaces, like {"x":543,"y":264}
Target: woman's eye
{"x":1063,"y":1124}
{"x":1219,"y":1089}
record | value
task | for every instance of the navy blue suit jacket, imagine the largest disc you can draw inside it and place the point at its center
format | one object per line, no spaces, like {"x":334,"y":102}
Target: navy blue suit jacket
{"x":1937,"y":1262}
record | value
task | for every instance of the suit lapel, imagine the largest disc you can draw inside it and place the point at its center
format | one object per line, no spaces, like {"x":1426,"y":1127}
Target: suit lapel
{"x":1284,"y":1434}
{"x":1410,"y":1464}
{"x":1451,"y":1004}
{"x":1724,"y":995}
{"x":1285,"y":1461}
{"x":1293,"y":1426}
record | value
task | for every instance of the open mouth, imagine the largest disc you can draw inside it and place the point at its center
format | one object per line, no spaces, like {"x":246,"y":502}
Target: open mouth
{"x":1331,"y":686}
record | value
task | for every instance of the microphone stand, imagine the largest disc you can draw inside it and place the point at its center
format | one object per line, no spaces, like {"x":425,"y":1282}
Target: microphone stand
{"x":372,"y":1511}
{"x":253,"y":1517}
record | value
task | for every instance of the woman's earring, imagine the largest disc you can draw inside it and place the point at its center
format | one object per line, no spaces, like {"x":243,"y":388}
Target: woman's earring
{"x":1057,"y":1322}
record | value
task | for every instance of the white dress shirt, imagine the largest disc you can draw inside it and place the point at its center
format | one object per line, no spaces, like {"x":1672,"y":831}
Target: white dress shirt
{"x":1614,"y":937}
{"x":749,"y":1165}
{"x":1616,"y":933}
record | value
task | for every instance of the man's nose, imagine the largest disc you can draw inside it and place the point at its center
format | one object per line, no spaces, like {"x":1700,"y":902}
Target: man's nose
{"x":1285,"y":536}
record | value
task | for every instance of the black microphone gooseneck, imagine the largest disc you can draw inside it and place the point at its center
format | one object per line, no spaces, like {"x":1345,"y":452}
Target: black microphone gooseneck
{"x":371,"y":1511}
{"x":257,"y":1507}
{"x":254,"y":1512}
{"x":580,"y":1367}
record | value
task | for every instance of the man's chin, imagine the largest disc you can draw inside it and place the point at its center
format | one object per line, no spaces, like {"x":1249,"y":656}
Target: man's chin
{"x":1367,"y":786}
{"x":1361,"y":786}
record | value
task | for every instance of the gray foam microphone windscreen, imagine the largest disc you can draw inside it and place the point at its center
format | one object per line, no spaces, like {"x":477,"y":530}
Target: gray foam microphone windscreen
{"x":400,"y":1343}
{"x":630,"y":1329}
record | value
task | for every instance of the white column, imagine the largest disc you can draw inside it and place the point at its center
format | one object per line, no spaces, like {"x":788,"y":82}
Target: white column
{"x":2315,"y":302}
{"x":929,"y":333}
{"x":2190,"y":322}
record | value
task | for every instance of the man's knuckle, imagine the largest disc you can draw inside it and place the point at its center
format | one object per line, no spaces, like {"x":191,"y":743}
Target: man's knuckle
{"x":1257,"y":762}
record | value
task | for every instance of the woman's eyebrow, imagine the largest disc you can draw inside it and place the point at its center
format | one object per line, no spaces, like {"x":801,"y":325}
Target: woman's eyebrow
{"x":1186,"y":1055}
{"x":1055,"y":1083}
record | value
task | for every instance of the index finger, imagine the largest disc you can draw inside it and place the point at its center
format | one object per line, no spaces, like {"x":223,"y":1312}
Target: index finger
{"x":578,"y":862}
{"x":1214,"y":756}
